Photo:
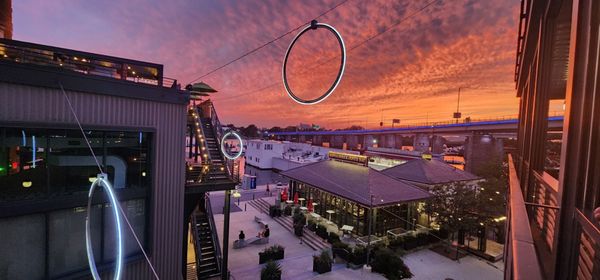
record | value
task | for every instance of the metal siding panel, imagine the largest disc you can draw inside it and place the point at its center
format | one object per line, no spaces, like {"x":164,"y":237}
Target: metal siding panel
{"x":38,"y":105}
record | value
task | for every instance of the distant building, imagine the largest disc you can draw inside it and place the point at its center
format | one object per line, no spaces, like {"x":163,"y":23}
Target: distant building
{"x":346,"y":190}
{"x":284,"y":155}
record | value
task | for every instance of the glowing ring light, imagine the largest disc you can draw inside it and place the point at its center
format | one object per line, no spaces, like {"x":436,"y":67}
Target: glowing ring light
{"x":314,"y":25}
{"x":223,"y":145}
{"x":88,"y":240}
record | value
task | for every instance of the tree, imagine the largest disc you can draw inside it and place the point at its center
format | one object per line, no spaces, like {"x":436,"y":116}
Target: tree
{"x":454,"y":207}
{"x":250,"y":131}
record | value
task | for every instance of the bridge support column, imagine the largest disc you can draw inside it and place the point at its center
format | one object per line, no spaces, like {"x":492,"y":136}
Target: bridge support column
{"x":398,"y":139}
{"x":390,"y":141}
{"x":317,"y":140}
{"x":482,"y":150}
{"x":351,"y":142}
{"x":437,"y":146}
{"x":421,"y":142}
{"x":288,"y":138}
{"x":368,"y":141}
{"x":302,"y":138}
{"x":337,"y":141}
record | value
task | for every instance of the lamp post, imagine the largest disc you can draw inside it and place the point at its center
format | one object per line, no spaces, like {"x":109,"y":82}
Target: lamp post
{"x":369,"y":230}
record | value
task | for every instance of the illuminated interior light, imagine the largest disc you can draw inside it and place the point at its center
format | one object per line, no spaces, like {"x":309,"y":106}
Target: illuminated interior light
{"x":26,"y":184}
{"x":315,"y":25}
{"x":133,"y":72}
{"x":33,"y":151}
{"x":239,"y":153}
{"x":128,"y":67}
{"x":103,"y":181}
{"x":143,"y":173}
{"x":92,"y":179}
{"x":75,"y":58}
{"x":24,"y":144}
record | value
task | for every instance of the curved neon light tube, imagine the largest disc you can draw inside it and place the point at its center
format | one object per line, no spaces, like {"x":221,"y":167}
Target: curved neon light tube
{"x":103,"y":181}
{"x":314,"y":25}
{"x":223,"y":145}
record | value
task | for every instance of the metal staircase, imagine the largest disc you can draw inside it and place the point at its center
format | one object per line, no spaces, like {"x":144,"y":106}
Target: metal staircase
{"x":208,"y":251}
{"x":209,"y":171}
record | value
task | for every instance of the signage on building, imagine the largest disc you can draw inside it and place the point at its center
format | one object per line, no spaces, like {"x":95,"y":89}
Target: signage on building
{"x":352,"y":158}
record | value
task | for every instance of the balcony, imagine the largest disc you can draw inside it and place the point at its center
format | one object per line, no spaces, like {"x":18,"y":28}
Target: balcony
{"x":47,"y":66}
{"x":521,"y":257}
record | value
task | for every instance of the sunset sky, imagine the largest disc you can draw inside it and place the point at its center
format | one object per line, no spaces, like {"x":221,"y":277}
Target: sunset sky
{"x":411,"y":72}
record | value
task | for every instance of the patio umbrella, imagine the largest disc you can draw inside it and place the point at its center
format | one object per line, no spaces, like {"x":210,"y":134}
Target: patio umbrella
{"x":310,"y":205}
{"x":296,"y":198}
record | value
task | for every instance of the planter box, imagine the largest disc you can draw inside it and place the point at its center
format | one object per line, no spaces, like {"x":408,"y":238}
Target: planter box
{"x":263,"y":258}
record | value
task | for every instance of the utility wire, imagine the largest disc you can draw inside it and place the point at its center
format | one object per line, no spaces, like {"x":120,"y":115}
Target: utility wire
{"x":266,"y":44}
{"x":416,"y":12}
{"x":118,"y":205}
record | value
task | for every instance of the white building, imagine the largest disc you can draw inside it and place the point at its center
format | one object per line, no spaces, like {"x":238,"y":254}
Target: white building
{"x":283,"y":155}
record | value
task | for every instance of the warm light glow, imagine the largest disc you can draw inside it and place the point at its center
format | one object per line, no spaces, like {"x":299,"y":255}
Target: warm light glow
{"x":143,"y":173}
{"x":499,"y":219}
{"x":26,"y":184}
{"x":92,"y":179}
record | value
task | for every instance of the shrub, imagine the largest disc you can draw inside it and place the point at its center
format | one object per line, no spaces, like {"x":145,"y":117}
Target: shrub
{"x":312,"y":225}
{"x":299,"y":218}
{"x":397,"y":242}
{"x":275,"y":252}
{"x":422,"y":238}
{"x":333,"y":238}
{"x":274,"y":211}
{"x":322,"y":263}
{"x":298,"y":229}
{"x":390,"y":265}
{"x":271,"y":271}
{"x":342,"y":250}
{"x":359,"y":255}
{"x":322,"y":232}
{"x":340,"y":245}
{"x":287,"y":210}
{"x":410,"y":242}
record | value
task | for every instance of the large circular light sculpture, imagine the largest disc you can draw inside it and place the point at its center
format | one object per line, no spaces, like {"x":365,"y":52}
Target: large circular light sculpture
{"x":239,"y":153}
{"x":103,"y":181}
{"x":313,"y":26}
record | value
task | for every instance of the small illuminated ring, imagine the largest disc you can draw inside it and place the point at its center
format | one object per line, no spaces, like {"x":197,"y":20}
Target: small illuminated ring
{"x":314,"y":25}
{"x":103,"y":181}
{"x":231,"y":132}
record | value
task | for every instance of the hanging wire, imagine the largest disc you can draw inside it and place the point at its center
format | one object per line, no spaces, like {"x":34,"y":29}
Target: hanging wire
{"x":266,"y":44}
{"x":118,"y":205}
{"x":404,"y":19}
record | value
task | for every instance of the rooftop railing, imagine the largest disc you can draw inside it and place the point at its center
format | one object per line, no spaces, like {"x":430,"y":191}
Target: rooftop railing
{"x":61,"y":59}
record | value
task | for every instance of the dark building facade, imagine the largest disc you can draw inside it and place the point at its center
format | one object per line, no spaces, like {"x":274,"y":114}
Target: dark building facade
{"x":552,"y":229}
{"x":6,"y":27}
{"x":135,"y":125}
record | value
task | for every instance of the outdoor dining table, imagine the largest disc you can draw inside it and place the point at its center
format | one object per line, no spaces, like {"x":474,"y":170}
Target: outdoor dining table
{"x":301,"y":200}
{"x":330,"y":212}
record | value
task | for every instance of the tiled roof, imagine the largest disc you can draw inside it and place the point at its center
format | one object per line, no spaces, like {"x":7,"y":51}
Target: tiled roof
{"x":355,"y":182}
{"x":429,"y":172}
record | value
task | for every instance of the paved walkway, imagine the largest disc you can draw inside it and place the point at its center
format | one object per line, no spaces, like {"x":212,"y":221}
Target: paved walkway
{"x":297,"y":264}
{"x":428,"y":265}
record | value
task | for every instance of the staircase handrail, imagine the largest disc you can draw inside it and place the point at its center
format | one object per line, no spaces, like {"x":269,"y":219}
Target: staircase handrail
{"x":213,"y":230}
{"x":219,"y":132}
{"x":196,"y":242}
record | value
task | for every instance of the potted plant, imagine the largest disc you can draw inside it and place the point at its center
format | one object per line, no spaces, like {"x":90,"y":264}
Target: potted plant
{"x":342,"y":250}
{"x":274,"y":211}
{"x":358,"y":257}
{"x":332,"y":238}
{"x":312,"y":226}
{"x":287,"y":210}
{"x":322,"y":263}
{"x":271,"y":271}
{"x":275,"y":252}
{"x":397,"y":242}
{"x":298,"y":229}
{"x":322,"y":232}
